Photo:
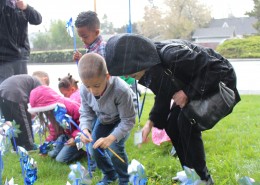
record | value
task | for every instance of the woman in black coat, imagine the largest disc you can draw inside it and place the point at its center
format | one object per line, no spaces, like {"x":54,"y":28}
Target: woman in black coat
{"x":178,"y":70}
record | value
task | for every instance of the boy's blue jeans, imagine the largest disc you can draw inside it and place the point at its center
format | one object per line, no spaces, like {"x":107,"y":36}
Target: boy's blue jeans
{"x":64,"y":153}
{"x":110,"y":165}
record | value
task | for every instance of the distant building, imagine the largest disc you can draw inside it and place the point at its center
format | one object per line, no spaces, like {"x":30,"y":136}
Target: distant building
{"x":219,"y":30}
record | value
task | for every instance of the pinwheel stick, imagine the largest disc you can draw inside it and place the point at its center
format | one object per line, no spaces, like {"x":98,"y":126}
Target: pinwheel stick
{"x":111,"y":150}
{"x":116,"y":154}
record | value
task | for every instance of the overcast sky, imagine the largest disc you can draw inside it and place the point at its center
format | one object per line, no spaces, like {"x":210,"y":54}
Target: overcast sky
{"x":117,"y":10}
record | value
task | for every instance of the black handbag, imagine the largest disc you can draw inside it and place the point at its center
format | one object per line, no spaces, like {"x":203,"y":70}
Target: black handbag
{"x":205,"y":113}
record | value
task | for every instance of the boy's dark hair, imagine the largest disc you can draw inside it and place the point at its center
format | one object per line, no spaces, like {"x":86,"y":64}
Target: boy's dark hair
{"x":67,"y":82}
{"x":88,"y":19}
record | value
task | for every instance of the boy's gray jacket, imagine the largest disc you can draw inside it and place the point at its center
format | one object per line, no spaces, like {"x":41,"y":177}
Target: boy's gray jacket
{"x":115,"y":105}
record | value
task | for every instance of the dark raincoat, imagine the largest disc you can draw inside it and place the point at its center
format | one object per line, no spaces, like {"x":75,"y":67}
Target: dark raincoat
{"x":14,"y":41}
{"x":170,"y":67}
{"x":196,"y":69}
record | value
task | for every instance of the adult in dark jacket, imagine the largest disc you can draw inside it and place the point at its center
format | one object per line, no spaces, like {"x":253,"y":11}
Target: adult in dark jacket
{"x":14,"y":44}
{"x":198,"y":70}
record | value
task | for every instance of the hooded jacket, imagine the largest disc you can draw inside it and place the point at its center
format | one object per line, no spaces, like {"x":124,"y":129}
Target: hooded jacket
{"x":14,"y":41}
{"x":196,"y":69}
{"x":43,"y":98}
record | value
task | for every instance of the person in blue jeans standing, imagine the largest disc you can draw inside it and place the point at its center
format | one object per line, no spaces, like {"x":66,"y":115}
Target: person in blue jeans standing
{"x":109,"y":100}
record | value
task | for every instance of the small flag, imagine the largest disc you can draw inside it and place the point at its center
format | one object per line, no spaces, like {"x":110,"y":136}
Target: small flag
{"x":70,"y":27}
{"x":70,"y":30}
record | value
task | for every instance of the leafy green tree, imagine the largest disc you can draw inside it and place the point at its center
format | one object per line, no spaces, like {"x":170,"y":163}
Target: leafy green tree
{"x":256,"y":13}
{"x":56,"y":37}
{"x":41,"y":41}
{"x":60,"y":39}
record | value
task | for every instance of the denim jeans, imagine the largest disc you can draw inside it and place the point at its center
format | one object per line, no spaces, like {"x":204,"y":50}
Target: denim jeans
{"x":64,"y":153}
{"x":92,"y":162}
{"x":109,"y":164}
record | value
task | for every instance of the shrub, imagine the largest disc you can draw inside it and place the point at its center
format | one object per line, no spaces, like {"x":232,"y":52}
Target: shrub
{"x":56,"y":56}
{"x":248,"y":47}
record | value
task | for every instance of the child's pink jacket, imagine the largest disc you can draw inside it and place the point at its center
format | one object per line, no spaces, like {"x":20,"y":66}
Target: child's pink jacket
{"x":43,"y":98}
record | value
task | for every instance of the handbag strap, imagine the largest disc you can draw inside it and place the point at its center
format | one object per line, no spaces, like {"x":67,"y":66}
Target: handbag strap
{"x":176,"y":82}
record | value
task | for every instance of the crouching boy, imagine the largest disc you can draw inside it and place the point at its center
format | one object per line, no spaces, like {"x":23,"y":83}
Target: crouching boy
{"x":109,"y":101}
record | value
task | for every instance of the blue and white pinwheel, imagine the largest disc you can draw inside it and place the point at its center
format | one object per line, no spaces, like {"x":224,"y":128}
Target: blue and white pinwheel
{"x":46,"y":147}
{"x":70,"y":27}
{"x":65,"y":121}
{"x":38,"y":128}
{"x":28,"y":165}
{"x":8,"y":130}
{"x":13,"y":130}
{"x":1,"y":166}
{"x":137,"y":173}
{"x":247,"y":181}
{"x":62,"y":118}
{"x":79,"y":175}
{"x":188,"y":176}
{"x":79,"y":143}
{"x":11,"y":182}
{"x":71,"y":32}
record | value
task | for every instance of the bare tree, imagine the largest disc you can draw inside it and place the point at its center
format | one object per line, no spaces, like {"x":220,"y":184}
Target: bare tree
{"x":178,"y":19}
{"x":151,"y":25}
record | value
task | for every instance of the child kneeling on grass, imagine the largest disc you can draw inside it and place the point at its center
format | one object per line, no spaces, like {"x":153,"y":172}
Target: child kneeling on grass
{"x":43,"y":100}
{"x":109,"y":100}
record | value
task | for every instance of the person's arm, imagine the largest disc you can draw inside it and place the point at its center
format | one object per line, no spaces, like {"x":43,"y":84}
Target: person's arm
{"x":160,"y":111}
{"x":74,"y":112}
{"x":77,"y":55}
{"x":52,"y":134}
{"x":127,"y":116}
{"x":146,"y":130}
{"x":87,"y":115}
{"x":161,"y":86}
{"x":33,"y":16}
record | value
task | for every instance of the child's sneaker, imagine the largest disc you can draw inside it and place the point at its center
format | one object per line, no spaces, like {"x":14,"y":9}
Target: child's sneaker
{"x":34,"y":149}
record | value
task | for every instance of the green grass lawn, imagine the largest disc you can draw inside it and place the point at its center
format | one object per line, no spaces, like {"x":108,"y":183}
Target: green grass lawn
{"x":232,"y":150}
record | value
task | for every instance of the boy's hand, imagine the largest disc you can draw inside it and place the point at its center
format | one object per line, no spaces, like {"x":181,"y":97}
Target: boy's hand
{"x":77,"y":55}
{"x":21,"y":4}
{"x":104,"y":142}
{"x":84,"y":139}
{"x":146,"y":130}
{"x":71,"y":142}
